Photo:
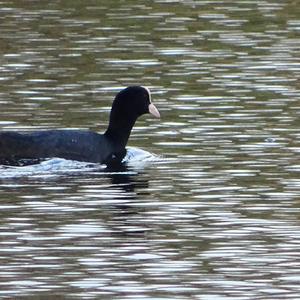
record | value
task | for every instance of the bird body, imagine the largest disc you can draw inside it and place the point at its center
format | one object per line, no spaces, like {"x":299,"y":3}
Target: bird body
{"x":79,"y":145}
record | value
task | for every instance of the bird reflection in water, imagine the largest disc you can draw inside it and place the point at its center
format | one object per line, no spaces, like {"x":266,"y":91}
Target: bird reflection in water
{"x":127,"y":217}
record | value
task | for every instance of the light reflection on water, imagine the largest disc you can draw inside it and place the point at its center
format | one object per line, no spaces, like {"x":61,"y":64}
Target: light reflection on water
{"x":215,"y":215}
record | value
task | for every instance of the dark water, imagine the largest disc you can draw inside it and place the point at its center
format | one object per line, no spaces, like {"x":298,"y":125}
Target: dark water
{"x":215,"y":213}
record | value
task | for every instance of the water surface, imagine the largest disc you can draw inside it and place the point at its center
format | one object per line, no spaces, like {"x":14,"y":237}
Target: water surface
{"x":215,"y":214}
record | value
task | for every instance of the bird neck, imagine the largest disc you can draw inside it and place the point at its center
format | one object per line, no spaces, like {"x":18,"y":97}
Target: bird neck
{"x":118,"y":131}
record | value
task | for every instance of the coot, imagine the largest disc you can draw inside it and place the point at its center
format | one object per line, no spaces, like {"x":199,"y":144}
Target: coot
{"x":82,"y":145}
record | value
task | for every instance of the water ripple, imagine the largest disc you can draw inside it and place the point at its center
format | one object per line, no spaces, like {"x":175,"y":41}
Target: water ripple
{"x":214,"y":212}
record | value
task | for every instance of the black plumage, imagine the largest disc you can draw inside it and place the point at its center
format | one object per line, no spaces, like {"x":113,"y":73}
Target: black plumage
{"x":82,"y":145}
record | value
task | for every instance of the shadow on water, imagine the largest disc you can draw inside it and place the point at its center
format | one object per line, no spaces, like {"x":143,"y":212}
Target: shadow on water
{"x":113,"y":189}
